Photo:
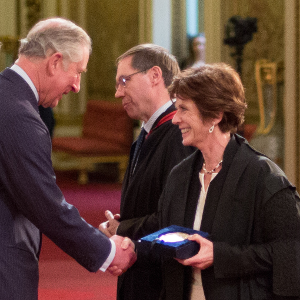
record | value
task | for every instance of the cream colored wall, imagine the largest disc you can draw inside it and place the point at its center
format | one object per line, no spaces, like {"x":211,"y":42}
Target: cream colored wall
{"x":213,"y":30}
{"x":7,"y":29}
{"x":292,"y":89}
{"x":7,"y":22}
{"x":114,"y":28}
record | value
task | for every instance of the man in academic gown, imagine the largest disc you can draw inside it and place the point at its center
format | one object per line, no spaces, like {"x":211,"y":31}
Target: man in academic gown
{"x":143,"y":76}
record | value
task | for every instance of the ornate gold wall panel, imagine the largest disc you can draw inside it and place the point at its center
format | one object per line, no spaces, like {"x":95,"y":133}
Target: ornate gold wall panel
{"x":292,"y":90}
{"x":145,"y":21}
{"x":213,"y":26}
{"x":179,"y":36}
{"x":114,"y":28}
{"x":267,"y":42}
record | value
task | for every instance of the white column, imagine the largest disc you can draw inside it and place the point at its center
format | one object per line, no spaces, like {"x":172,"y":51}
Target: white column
{"x":192,"y":12}
{"x":162,"y":32}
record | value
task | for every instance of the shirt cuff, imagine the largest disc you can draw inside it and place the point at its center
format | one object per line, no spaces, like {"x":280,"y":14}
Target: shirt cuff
{"x":110,"y":257}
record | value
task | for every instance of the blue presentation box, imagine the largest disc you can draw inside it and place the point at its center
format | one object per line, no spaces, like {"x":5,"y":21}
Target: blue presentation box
{"x":171,"y":241}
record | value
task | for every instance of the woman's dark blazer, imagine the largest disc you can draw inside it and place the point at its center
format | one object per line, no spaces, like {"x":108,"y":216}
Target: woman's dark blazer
{"x":252,"y":215}
{"x":30,"y":201}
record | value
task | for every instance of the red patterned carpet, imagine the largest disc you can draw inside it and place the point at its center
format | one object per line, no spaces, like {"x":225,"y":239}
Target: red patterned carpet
{"x":61,"y":277}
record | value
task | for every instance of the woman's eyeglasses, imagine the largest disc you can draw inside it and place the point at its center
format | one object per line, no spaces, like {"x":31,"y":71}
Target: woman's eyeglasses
{"x":123,"y":79}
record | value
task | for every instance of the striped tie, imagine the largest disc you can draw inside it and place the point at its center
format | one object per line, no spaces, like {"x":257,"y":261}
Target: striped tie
{"x":137,"y":149}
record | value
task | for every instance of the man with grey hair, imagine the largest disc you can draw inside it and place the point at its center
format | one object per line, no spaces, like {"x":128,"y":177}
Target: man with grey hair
{"x":143,"y":76}
{"x":51,"y":60}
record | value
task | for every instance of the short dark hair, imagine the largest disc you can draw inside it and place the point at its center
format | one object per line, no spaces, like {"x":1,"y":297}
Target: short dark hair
{"x":146,"y":56}
{"x":214,"y":88}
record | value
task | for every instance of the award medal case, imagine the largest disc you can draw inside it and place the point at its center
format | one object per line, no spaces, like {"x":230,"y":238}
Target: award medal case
{"x":171,"y":241}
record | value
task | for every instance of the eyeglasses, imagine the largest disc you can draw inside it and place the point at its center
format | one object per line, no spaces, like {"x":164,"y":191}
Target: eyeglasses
{"x":123,"y":79}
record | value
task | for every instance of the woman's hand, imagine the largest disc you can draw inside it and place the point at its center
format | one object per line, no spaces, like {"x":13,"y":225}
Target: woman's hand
{"x":205,"y":256}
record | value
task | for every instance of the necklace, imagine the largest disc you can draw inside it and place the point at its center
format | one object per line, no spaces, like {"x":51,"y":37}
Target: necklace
{"x":214,"y":169}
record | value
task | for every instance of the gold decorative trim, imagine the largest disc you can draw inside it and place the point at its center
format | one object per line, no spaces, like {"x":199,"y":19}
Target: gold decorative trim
{"x":145,"y":21}
{"x":10,"y":45}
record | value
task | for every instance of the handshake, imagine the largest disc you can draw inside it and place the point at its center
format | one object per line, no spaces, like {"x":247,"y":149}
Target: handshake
{"x":125,"y":255}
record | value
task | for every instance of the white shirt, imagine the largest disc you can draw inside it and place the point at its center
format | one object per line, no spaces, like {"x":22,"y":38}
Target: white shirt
{"x":197,"y":287}
{"x":147,"y":126}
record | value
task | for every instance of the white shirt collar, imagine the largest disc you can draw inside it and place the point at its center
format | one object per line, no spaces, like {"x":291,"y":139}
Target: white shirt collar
{"x":147,"y":126}
{"x":24,"y":75}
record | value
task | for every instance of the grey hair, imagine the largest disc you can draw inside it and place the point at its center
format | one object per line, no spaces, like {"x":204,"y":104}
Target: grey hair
{"x":56,"y":35}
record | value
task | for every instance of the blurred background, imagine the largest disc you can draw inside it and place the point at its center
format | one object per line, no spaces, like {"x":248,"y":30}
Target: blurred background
{"x":260,"y":38}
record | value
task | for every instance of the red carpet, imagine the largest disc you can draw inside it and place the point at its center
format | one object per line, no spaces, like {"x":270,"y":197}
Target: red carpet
{"x":61,"y":277}
{"x":67,"y":280}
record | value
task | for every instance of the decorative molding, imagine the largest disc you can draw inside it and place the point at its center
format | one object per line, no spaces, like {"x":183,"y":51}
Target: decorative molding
{"x":10,"y":45}
{"x":145,"y":21}
{"x":33,"y":12}
{"x":180,"y":47}
{"x":291,"y":94}
{"x":213,"y":30}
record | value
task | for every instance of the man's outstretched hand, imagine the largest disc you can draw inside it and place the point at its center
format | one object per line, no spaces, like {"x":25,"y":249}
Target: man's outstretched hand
{"x":109,"y":228}
{"x":125,"y":256}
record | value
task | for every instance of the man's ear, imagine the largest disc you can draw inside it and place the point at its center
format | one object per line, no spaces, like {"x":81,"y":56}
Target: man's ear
{"x":156,"y":75}
{"x":54,"y":62}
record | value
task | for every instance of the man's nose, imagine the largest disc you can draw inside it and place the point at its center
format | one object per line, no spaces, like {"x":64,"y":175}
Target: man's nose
{"x":119,"y":92}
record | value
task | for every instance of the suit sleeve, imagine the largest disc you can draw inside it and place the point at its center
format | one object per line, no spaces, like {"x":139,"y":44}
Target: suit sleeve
{"x":30,"y":183}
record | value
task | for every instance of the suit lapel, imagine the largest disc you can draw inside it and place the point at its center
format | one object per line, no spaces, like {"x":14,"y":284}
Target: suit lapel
{"x":181,"y":212}
{"x":217,"y":186}
{"x":194,"y":187}
{"x":224,"y":211}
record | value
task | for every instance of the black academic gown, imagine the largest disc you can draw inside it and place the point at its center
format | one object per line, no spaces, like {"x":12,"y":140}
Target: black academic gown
{"x":252,"y":215}
{"x":160,"y":152}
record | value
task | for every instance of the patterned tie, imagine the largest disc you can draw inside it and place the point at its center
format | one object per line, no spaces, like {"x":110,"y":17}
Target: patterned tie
{"x":137,"y":149}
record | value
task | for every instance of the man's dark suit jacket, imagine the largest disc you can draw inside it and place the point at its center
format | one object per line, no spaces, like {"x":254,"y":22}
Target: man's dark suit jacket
{"x":252,"y":215}
{"x":160,"y":152}
{"x":30,"y":201}
{"x":47,"y":116}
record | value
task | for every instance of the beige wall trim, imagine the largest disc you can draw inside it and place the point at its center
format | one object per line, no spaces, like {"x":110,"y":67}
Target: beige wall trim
{"x":82,"y":96}
{"x":7,"y":20}
{"x":145,"y":21}
{"x":179,"y":34}
{"x":291,"y":165}
{"x":213,"y":30}
{"x":64,"y":106}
